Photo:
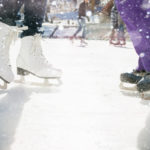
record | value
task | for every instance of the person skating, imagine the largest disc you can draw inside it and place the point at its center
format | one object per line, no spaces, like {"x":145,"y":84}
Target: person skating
{"x":82,"y":17}
{"x":117,"y":36}
{"x":135,"y":15}
{"x":117,"y":33}
{"x":30,"y":58}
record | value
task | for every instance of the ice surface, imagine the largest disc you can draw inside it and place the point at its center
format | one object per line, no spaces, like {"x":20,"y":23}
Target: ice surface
{"x":87,"y":112}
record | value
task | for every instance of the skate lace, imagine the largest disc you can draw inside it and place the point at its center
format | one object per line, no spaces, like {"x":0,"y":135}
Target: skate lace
{"x":37,"y":50}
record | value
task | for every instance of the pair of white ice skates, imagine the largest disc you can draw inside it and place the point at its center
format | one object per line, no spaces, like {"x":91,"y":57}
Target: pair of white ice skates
{"x":29,"y":60}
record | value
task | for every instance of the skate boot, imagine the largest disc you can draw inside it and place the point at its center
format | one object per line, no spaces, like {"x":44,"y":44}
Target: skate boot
{"x":117,"y":38}
{"x":144,"y":84}
{"x":131,"y":78}
{"x":32,"y":61}
{"x":72,"y":37}
{"x":6,"y":37}
{"x":83,"y":43}
{"x":113,"y":38}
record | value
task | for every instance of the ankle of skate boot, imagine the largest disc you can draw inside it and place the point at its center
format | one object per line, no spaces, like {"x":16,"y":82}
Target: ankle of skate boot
{"x":143,"y":85}
{"x":22,"y":72}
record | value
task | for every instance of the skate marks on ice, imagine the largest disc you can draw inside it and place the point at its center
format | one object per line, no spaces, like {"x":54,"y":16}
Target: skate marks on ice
{"x":131,"y":90}
{"x":12,"y":103}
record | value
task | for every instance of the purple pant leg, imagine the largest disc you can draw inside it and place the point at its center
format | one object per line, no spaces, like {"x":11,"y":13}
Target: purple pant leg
{"x":136,"y":16}
{"x":140,"y":66}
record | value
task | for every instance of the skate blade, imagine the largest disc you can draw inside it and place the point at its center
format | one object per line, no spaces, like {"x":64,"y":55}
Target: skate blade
{"x":82,"y":45}
{"x":23,"y":73}
{"x":131,"y":90}
{"x":46,"y":83}
{"x":119,"y":46}
{"x":128,"y":87}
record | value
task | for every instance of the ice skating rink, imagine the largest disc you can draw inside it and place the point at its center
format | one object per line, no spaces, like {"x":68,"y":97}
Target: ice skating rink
{"x":87,"y":112}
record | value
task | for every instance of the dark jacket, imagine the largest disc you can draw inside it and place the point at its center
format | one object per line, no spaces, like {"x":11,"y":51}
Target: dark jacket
{"x":82,"y":9}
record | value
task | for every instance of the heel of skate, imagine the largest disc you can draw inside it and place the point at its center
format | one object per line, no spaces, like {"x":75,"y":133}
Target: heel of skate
{"x":22,"y":72}
{"x":3,"y":83}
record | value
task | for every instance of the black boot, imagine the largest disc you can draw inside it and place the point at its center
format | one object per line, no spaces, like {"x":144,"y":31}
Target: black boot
{"x":133,"y":77}
{"x":144,"y":84}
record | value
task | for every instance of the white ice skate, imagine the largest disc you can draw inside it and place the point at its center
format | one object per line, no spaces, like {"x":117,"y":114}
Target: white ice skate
{"x":32,"y":61}
{"x":83,"y":43}
{"x":6,"y":37}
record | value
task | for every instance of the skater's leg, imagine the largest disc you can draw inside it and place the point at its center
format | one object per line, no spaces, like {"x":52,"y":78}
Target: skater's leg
{"x":121,"y":31}
{"x":6,"y":37}
{"x":34,"y":12}
{"x":137,"y":20}
{"x":79,"y":28}
{"x":114,"y":24}
{"x":83,"y":23}
{"x":114,"y":17}
{"x":9,"y":11}
{"x":121,"y":24}
{"x":140,"y":66}
{"x":84,"y":28}
{"x":31,"y":58}
{"x":135,"y":14}
{"x":8,"y":14}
